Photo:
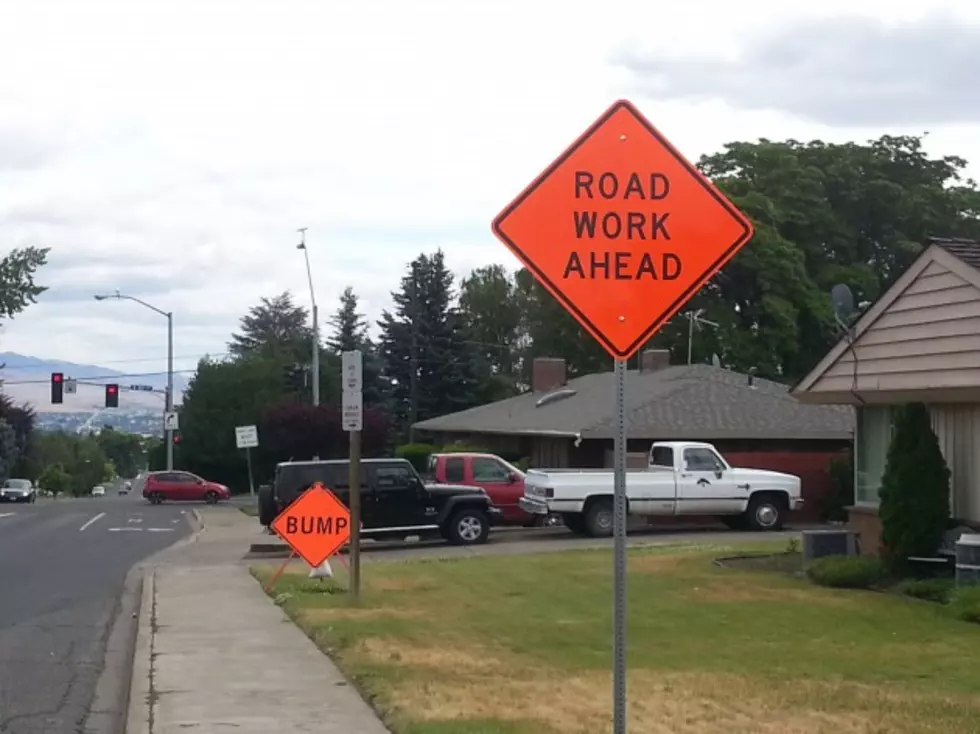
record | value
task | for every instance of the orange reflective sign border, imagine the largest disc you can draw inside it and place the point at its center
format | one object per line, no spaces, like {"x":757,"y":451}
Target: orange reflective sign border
{"x":316,"y":525}
{"x":622,"y":230}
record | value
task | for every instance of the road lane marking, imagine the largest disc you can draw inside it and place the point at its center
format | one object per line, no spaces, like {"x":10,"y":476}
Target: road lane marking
{"x":135,"y":519}
{"x":160,"y":530}
{"x":94,"y":519}
{"x":119,"y":530}
{"x":7,"y":514}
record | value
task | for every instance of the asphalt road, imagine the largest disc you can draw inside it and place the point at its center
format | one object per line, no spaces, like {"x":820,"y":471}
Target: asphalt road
{"x":63,"y":565}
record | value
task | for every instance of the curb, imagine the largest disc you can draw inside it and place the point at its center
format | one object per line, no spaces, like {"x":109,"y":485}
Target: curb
{"x":139,"y":719}
{"x":268,"y":548}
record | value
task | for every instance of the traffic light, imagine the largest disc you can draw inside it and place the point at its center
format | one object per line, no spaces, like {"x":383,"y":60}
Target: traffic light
{"x":176,"y":438}
{"x":112,"y":396}
{"x":57,"y":387}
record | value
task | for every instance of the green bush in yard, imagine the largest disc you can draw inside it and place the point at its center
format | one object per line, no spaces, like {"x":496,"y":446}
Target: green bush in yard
{"x":914,"y":496}
{"x":847,"y":572}
{"x":417,"y":454}
{"x":937,"y":590}
{"x":964,"y":604}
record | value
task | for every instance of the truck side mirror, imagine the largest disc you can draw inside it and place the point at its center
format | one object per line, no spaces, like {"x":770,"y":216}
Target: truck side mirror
{"x":718,"y":473}
{"x":512,"y":478}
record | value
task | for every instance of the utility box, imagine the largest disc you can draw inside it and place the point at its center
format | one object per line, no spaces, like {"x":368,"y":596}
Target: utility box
{"x":821,"y":543}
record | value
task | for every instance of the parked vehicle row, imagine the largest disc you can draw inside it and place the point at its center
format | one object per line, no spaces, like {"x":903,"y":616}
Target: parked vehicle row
{"x":474,"y":492}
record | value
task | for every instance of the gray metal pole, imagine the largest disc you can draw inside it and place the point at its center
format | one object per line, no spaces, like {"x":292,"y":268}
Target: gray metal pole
{"x":619,"y":554}
{"x":355,"y":514}
{"x":316,"y":356}
{"x":690,"y":335}
{"x":169,"y":435}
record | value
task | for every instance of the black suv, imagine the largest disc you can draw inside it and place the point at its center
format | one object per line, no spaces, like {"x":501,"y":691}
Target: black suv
{"x":395,"y":502}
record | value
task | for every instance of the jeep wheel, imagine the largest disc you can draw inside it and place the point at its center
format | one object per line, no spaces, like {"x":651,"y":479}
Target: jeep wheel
{"x":469,"y":527}
{"x":599,"y":519}
{"x":267,"y":506}
{"x":766,"y":512}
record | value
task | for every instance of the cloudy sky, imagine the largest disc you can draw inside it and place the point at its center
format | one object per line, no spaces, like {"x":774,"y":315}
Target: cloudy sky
{"x":171,"y":149}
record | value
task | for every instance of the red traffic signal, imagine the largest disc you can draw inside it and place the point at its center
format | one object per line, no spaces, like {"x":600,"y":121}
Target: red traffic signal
{"x":112,"y":396}
{"x":57,"y":387}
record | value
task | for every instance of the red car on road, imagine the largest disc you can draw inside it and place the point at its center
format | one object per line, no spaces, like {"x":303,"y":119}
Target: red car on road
{"x":182,"y":486}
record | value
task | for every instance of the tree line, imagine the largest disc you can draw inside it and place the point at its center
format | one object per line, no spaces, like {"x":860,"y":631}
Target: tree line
{"x":824,"y":214}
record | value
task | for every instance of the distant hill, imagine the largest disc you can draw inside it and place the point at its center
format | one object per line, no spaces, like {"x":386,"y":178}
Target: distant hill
{"x":28,"y":379}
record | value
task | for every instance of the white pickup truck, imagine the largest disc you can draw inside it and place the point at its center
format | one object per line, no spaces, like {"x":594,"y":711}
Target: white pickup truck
{"x":683,"y":478}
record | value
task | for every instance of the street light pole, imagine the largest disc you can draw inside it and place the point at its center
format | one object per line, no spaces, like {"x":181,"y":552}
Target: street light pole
{"x":168,"y":435}
{"x":315,"y":366}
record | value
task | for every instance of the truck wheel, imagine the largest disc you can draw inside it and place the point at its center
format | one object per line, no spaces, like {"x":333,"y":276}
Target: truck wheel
{"x":599,"y":519}
{"x":574,"y":522}
{"x":766,"y":512}
{"x":469,"y":526}
{"x":267,"y":506}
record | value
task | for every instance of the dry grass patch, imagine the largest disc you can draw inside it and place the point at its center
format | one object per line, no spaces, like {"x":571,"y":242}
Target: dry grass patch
{"x":501,"y":645}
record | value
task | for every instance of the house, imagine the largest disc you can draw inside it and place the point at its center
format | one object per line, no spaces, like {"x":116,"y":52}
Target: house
{"x":570,"y":423}
{"x":919,"y":342}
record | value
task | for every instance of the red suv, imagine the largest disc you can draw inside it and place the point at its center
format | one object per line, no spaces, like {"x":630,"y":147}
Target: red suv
{"x":182,"y":486}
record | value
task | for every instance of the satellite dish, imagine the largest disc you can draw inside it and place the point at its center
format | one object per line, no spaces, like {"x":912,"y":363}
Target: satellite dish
{"x":715,"y":360}
{"x":843,"y":300}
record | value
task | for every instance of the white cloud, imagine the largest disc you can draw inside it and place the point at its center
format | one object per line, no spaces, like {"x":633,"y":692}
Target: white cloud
{"x":171,"y":149}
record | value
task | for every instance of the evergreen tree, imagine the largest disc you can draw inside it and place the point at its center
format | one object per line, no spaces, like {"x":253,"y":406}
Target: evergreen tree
{"x":427,"y":355}
{"x":914,"y":496}
{"x":276,"y":328}
{"x":350,"y":333}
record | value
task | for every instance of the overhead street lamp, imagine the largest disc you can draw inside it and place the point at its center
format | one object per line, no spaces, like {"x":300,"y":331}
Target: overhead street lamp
{"x":315,"y":368}
{"x":168,"y":434}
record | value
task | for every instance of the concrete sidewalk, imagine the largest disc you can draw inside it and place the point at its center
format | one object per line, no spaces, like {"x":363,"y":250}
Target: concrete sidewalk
{"x":214,"y":654}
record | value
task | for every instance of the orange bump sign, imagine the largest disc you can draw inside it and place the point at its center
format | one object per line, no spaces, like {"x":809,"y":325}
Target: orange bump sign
{"x":316,"y":525}
{"x":622,"y":230}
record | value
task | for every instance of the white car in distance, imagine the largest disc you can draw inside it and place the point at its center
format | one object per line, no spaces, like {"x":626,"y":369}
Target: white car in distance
{"x":98,"y":491}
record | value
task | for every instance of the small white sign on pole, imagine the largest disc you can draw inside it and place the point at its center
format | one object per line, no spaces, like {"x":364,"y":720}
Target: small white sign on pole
{"x":246,"y":437}
{"x":353,"y":411}
{"x":171,"y":422}
{"x":71,"y":386}
{"x":352,"y":371}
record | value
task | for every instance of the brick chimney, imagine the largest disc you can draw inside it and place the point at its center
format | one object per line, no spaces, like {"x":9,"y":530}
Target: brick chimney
{"x":547,"y":373}
{"x":654,"y":359}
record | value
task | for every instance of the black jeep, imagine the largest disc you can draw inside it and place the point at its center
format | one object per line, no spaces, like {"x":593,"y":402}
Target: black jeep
{"x":395,"y":502}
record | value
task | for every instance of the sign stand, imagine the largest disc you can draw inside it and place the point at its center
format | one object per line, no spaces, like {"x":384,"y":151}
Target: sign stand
{"x":248,"y":460}
{"x":355,"y":514}
{"x":619,"y":554}
{"x":623,"y":231}
{"x":352,"y":378}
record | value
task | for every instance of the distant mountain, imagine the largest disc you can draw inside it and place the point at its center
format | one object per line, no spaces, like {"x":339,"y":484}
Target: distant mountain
{"x":28,"y":379}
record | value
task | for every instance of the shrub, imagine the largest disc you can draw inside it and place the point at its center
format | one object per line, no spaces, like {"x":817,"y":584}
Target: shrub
{"x":847,"y":572}
{"x":937,"y":590}
{"x":964,"y":603}
{"x":833,"y":505}
{"x":417,"y":453}
{"x":914,"y":496}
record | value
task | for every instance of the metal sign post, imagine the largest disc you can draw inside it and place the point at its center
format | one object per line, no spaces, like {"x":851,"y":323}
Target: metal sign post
{"x":575,"y":228}
{"x":619,"y":554}
{"x":353,"y":418}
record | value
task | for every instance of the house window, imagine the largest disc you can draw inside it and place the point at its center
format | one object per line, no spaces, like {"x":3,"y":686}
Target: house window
{"x":874,"y":434}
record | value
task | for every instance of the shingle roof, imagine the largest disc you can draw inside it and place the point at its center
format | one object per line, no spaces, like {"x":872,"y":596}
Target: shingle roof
{"x":966,"y":250}
{"x":697,"y":402}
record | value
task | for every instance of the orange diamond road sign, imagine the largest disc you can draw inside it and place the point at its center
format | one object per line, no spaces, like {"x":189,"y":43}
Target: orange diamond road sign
{"x":622,"y":230}
{"x":316,"y":525}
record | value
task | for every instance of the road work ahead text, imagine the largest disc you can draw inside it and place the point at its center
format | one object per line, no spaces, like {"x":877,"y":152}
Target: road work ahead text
{"x":622,"y":245}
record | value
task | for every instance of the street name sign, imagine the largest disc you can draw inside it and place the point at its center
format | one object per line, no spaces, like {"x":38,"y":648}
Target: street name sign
{"x":246,"y":437}
{"x":622,"y":230}
{"x":352,"y":371}
{"x":316,"y":525}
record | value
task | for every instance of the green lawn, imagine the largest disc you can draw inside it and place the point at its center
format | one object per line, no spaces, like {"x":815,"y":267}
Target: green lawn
{"x":507,"y":645}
